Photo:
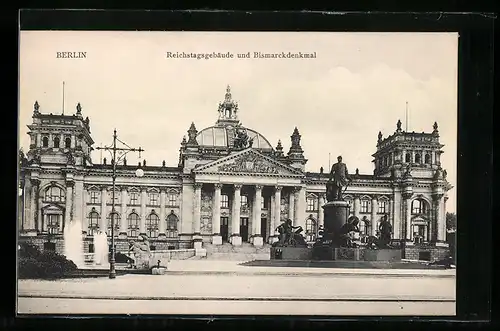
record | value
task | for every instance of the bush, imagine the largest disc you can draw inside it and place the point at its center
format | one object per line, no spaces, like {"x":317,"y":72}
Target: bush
{"x":47,"y":264}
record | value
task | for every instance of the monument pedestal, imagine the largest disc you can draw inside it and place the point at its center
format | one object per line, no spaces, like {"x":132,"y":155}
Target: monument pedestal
{"x":236,"y":240}
{"x":216,"y":240}
{"x":335,"y":216}
{"x":258,"y":241}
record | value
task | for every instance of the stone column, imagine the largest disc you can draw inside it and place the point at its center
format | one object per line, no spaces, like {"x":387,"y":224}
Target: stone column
{"x":142,"y":224}
{"x":433,"y":157}
{"x":85,"y":212}
{"x":356,"y":212}
{"x":277,"y":209}
{"x":300,"y":210}
{"x":104,"y":197}
{"x":271,"y":215}
{"x":409,"y":235}
{"x":292,"y":205}
{"x":163,"y":220}
{"x":374,"y":216}
{"x":38,"y":204}
{"x":216,"y":236}
{"x":403,"y":156}
{"x":321,"y":211}
{"x":391,"y":212}
{"x":197,"y":209}
{"x":257,"y":210}
{"x":439,"y":221}
{"x":30,"y":206}
{"x":235,"y":217}
{"x":68,"y":205}
{"x":123,"y":212}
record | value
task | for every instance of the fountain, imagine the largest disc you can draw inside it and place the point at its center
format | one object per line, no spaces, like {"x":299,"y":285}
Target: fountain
{"x":73,"y":243}
{"x":101,"y":249}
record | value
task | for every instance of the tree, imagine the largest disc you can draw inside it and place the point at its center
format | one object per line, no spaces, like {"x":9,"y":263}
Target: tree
{"x":451,"y":221}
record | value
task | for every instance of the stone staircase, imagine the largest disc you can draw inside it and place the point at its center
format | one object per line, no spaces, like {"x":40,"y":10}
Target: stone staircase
{"x":228,"y":252}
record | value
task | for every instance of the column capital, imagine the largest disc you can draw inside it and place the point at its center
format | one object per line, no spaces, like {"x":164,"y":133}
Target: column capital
{"x":35,"y":181}
{"x":278,"y":187}
{"x":407,"y":195}
{"x":197,"y":186}
{"x":70,"y":183}
{"x":356,"y":196}
{"x":259,"y":187}
{"x":218,"y":186}
{"x":143,"y":188}
{"x":321,"y":196}
{"x":437,"y":196}
{"x":237,"y":186}
{"x":296,"y":189}
{"x":103,"y":187}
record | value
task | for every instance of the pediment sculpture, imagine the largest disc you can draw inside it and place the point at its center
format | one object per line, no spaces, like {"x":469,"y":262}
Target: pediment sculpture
{"x":249,"y":163}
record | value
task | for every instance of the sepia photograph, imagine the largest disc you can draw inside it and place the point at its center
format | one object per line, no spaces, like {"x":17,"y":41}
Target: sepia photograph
{"x":237,"y":173}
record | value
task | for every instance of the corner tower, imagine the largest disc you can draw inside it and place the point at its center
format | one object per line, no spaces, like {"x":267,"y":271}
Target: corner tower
{"x":60,"y":139}
{"x":420,"y":151}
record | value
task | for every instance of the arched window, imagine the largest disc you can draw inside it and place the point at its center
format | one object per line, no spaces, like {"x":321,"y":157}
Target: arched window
{"x":417,"y":158}
{"x":93,"y":222}
{"x":427,"y":158}
{"x":418,"y":206}
{"x":116,"y":219}
{"x":408,"y":157}
{"x":310,"y":229}
{"x":45,"y":142}
{"x":172,"y":221}
{"x":54,"y":194}
{"x":152,"y":222}
{"x":133,"y":224}
{"x":56,"y":142}
{"x":67,"y":142}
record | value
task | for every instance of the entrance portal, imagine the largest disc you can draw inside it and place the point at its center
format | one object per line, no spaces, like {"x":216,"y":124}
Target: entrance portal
{"x":224,"y":221}
{"x":263,"y":228}
{"x":244,"y":229}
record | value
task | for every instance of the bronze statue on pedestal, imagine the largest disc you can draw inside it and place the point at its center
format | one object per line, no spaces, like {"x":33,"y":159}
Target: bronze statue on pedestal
{"x":339,"y":178}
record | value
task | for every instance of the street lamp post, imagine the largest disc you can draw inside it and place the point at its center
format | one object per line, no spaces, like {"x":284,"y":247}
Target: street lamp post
{"x":139,"y":173}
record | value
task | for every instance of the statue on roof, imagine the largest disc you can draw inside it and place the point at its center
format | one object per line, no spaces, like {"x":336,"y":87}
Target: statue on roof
{"x":36,"y":108}
{"x":78,"y":109}
{"x":398,"y":126}
{"x":241,"y":139}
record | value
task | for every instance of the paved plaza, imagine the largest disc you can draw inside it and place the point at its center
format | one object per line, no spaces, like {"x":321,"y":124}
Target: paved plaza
{"x":216,"y":287}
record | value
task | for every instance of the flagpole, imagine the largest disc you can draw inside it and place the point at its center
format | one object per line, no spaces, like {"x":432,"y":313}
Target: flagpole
{"x":63,"y":100}
{"x":406,"y":116}
{"x":329,"y":161}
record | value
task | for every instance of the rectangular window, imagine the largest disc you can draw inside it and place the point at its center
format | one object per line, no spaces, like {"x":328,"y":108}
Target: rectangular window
{"x":224,"y":201}
{"x":117,"y":197}
{"x":172,"y":200}
{"x":382,"y":207}
{"x":134,"y":198}
{"x":94,"y":196}
{"x":244,"y":201}
{"x":311,"y":204}
{"x":153,"y":199}
{"x":365,"y":206}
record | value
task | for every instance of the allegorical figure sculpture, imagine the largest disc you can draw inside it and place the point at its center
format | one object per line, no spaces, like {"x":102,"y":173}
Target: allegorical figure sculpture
{"x":142,"y":253}
{"x":384,"y":236}
{"x":241,"y":138}
{"x":339,"y":178}
{"x":347,"y":231}
{"x":290,"y":235}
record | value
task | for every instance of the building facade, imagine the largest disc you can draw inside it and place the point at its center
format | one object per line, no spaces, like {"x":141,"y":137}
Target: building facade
{"x":230,"y":186}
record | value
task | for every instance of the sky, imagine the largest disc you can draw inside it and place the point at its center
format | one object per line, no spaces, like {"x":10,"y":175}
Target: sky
{"x":357,"y":85}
